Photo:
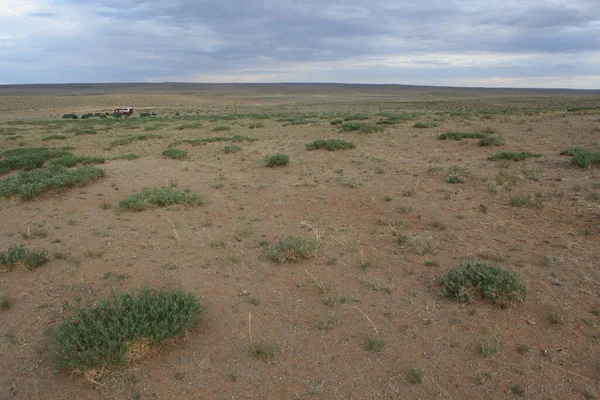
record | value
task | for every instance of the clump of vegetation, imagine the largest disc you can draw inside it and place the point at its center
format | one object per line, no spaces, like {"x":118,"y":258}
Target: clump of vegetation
{"x":461,"y":136}
{"x":277,"y":160}
{"x":5,"y":303}
{"x":414,"y":376}
{"x":264,"y":351}
{"x":582,"y":157}
{"x":356,"y":117}
{"x":54,"y":137}
{"x":424,"y":125}
{"x":294,"y":248}
{"x":491,"y":141}
{"x":421,"y":244}
{"x":70,"y":161}
{"x":31,"y":259}
{"x":128,"y":156}
{"x":295,"y":121}
{"x":329,"y":322}
{"x":176,"y":154}
{"x":454,"y":177}
{"x":29,"y":184}
{"x":110,"y":333}
{"x":221,"y":128}
{"x":159,"y":197}
{"x":337,"y":122}
{"x":231,"y":149}
{"x":198,"y":142}
{"x":27,"y":158}
{"x":256,"y":125}
{"x":134,"y":138}
{"x":527,"y":200}
{"x":475,"y":278}
{"x":393,"y":119}
{"x":192,"y":125}
{"x":330,"y":144}
{"x":513,"y":155}
{"x":363,"y":127}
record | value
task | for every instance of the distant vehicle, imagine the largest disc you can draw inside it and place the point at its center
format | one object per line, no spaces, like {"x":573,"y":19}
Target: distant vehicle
{"x":125,"y":111}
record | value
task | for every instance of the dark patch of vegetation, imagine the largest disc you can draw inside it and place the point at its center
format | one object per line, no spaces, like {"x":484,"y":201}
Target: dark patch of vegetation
{"x":128,"y":156}
{"x":363,"y":127}
{"x":475,"y":278}
{"x":191,"y":125}
{"x":491,"y":141}
{"x":513,"y":156}
{"x":414,"y":376}
{"x":256,"y":125}
{"x":27,"y":158}
{"x":276,"y":160}
{"x":203,"y":141}
{"x":424,"y":125}
{"x":70,"y":161}
{"x":29,"y":184}
{"x":31,"y":259}
{"x":54,"y":137}
{"x":101,"y":336}
{"x":133,"y":138}
{"x":337,"y":122}
{"x":582,"y":157}
{"x":159,"y":197}
{"x":330,"y":144}
{"x":221,"y":128}
{"x":293,"y":248}
{"x":231,"y":149}
{"x":175,"y":154}
{"x":461,"y":135}
{"x":356,"y":117}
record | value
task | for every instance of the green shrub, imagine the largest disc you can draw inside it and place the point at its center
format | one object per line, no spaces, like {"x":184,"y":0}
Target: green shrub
{"x":477,"y":278}
{"x":356,"y":117}
{"x":231,"y":149}
{"x":192,"y":125}
{"x":29,"y":184}
{"x":330,"y":144}
{"x":513,"y":156}
{"x":256,"y":125}
{"x":54,"y":137}
{"x":491,"y":141}
{"x":293,"y":248}
{"x":128,"y":156}
{"x":159,"y":197}
{"x":424,"y":125}
{"x":277,"y":160}
{"x":99,"y":336}
{"x":134,"y":138}
{"x":294,"y":121}
{"x":461,"y":135}
{"x":69,"y":116}
{"x":337,"y":122}
{"x":221,"y":128}
{"x":582,"y":157}
{"x":31,"y":259}
{"x":70,"y":161}
{"x":363,"y":127}
{"x":27,"y":158}
{"x":175,"y":154}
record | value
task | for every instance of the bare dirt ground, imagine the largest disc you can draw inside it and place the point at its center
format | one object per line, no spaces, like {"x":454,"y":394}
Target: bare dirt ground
{"x":359,"y":201}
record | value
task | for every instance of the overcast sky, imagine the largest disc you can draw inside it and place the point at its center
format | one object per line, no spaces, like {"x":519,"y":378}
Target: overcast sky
{"x":506,"y":43}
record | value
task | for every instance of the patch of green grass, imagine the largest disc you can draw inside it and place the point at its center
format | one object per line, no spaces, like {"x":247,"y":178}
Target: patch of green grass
{"x":199,"y":142}
{"x":414,"y":375}
{"x":488,"y":345}
{"x":191,"y":125}
{"x":367,"y":264}
{"x":356,"y":117}
{"x":54,"y":137}
{"x":231,"y":149}
{"x":100,"y":336}
{"x":523,"y":348}
{"x":29,"y":184}
{"x":363,"y":127}
{"x":491,"y":141}
{"x":276,"y":160}
{"x":330,"y":144}
{"x":221,"y":128}
{"x":517,"y":389}
{"x":473,"y":278}
{"x":134,"y":138}
{"x":176,"y":154}
{"x":294,"y":121}
{"x":329,"y":322}
{"x":375,"y":344}
{"x":424,"y":125}
{"x":31,"y":259}
{"x":69,"y":161}
{"x":337,"y":122}
{"x":256,"y":125}
{"x":527,"y":200}
{"x":128,"y":156}
{"x":5,"y":303}
{"x":264,"y":351}
{"x":160,"y":198}
{"x":83,"y":131}
{"x":461,"y":135}
{"x":454,"y":177}
{"x":582,"y":157}
{"x":293,"y":248}
{"x":513,"y":155}
{"x":113,"y":276}
{"x":27,"y":158}
{"x":431,"y":263}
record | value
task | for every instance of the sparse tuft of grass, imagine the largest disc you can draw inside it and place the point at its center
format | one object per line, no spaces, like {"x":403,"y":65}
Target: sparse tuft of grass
{"x":294,"y":248}
{"x":176,"y":154}
{"x":277,"y":160}
{"x":31,"y":259}
{"x":517,"y":389}
{"x":191,"y":125}
{"x":461,"y":136}
{"x":264,"y":351}
{"x":29,"y":184}
{"x":491,"y":141}
{"x":365,"y":265}
{"x":477,"y":278}
{"x":134,"y":138}
{"x":104,"y":335}
{"x":128,"y":156}
{"x":231,"y":149}
{"x":337,"y":122}
{"x":375,"y":344}
{"x":523,"y":348}
{"x":363,"y":127}
{"x":5,"y":303}
{"x":329,"y":322}
{"x":330,"y":144}
{"x":527,"y":201}
{"x":159,"y":197}
{"x":69,"y":161}
{"x":488,"y":345}
{"x":420,"y":244}
{"x":425,"y":125}
{"x":54,"y":137}
{"x":356,"y":117}
{"x":513,"y":156}
{"x":414,"y":375}
{"x":454,"y":177}
{"x":256,"y":125}
{"x":557,"y":316}
{"x":221,"y":128}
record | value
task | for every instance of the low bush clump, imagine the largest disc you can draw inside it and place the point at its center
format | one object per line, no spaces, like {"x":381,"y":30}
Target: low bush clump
{"x":221,"y":128}
{"x":31,"y":259}
{"x":474,"y":278}
{"x":70,"y":161}
{"x":461,"y":135}
{"x":363,"y":127}
{"x":491,"y":141}
{"x":330,"y":144}
{"x":134,"y":138}
{"x":513,"y":156}
{"x":128,"y":156}
{"x":29,"y":184}
{"x":582,"y":157}
{"x":54,"y":137}
{"x":293,"y":248}
{"x":337,"y":122}
{"x":231,"y":149}
{"x":159,"y":197}
{"x":27,"y":158}
{"x":256,"y":125}
{"x":356,"y":117}
{"x":424,"y":125}
{"x":277,"y":160}
{"x":175,"y":154}
{"x":112,"y":332}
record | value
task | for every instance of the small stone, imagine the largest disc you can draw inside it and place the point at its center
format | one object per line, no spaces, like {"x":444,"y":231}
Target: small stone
{"x":243,"y":292}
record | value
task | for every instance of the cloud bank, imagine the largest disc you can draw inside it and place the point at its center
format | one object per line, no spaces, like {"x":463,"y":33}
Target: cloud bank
{"x":506,"y":43}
